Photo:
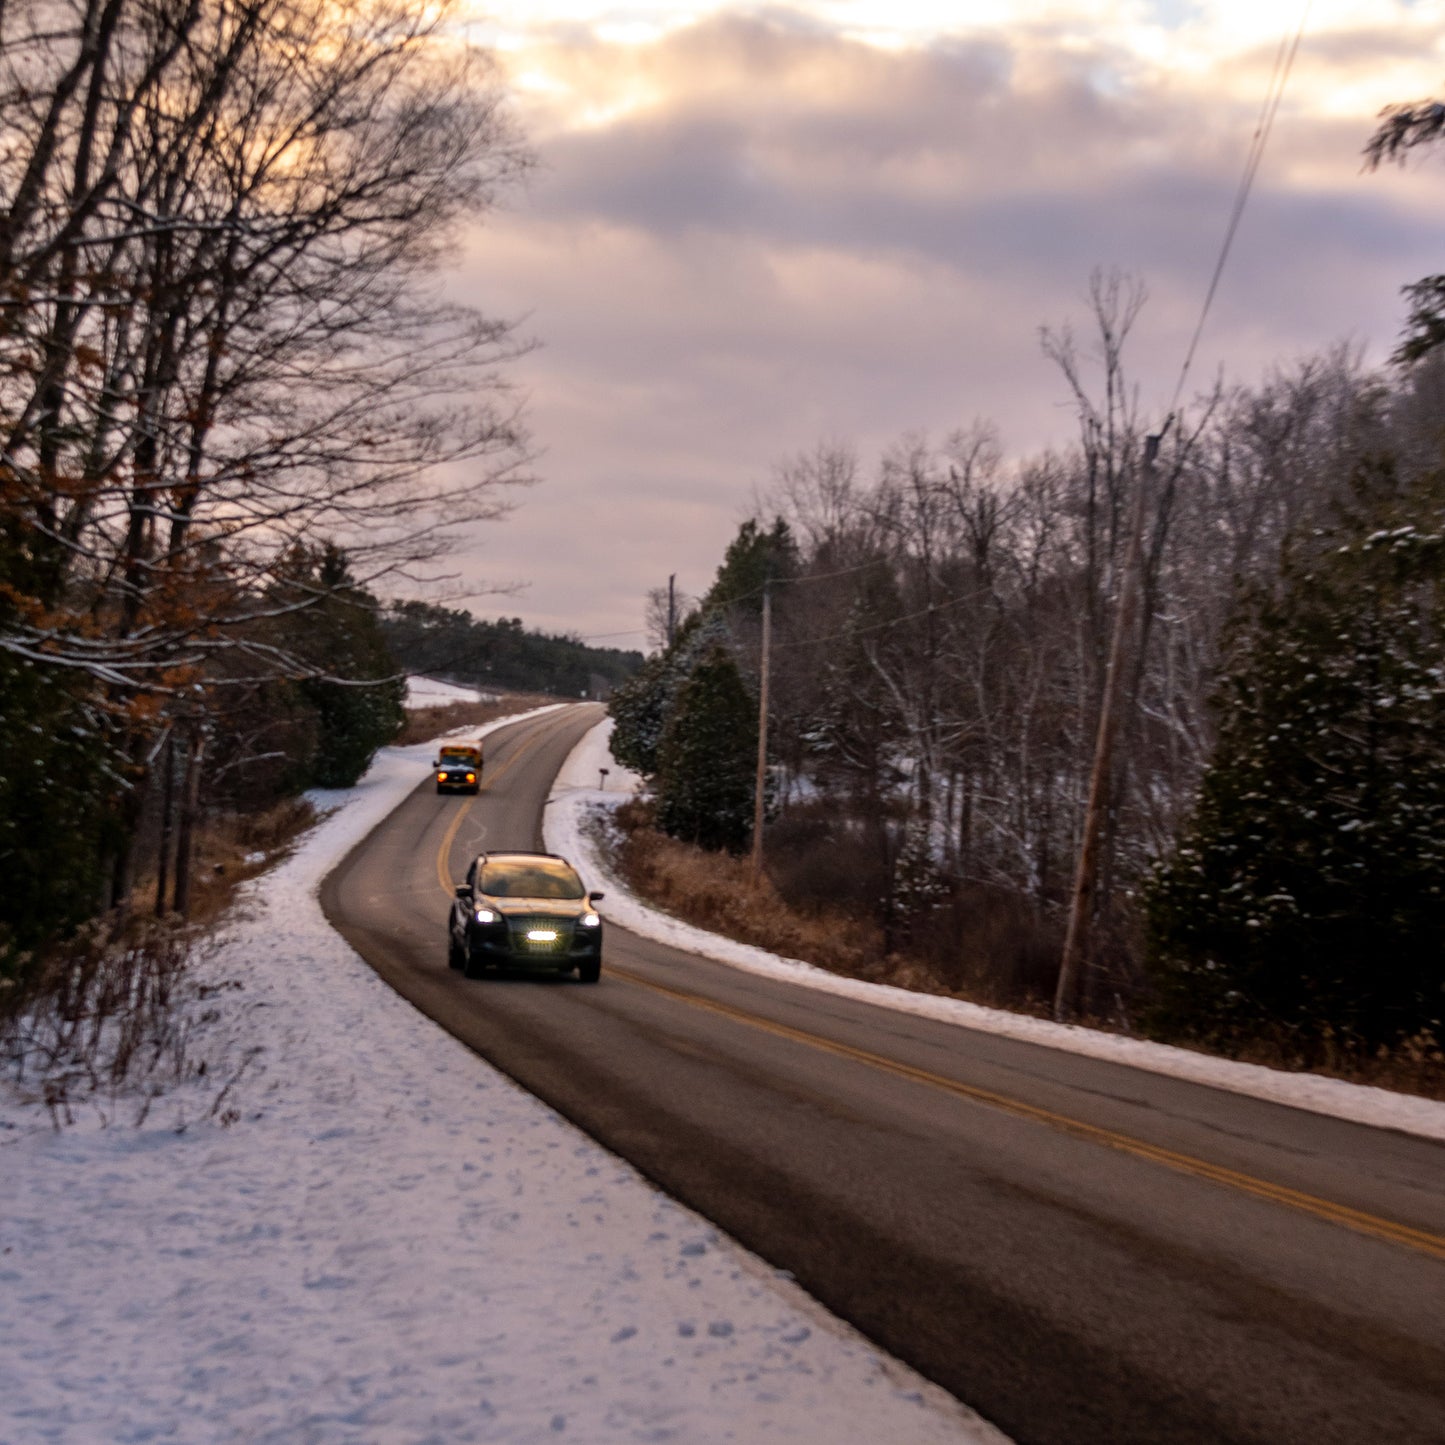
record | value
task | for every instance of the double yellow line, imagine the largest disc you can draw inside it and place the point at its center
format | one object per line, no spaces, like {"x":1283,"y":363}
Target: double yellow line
{"x":1420,"y":1240}
{"x":444,"y":853}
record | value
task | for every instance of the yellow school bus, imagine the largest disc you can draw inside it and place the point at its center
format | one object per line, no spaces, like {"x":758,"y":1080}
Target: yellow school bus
{"x":459,"y":768}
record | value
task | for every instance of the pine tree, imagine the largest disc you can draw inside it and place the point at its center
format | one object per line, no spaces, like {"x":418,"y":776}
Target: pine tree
{"x":1308,"y":893}
{"x":753,"y":558}
{"x":706,"y":755}
{"x":62,"y":781}
{"x":641,"y":706}
{"x":639,"y":710}
{"x":363,"y":709}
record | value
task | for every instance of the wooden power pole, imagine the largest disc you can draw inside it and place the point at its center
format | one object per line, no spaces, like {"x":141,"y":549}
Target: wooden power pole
{"x":760,"y":786}
{"x":1081,"y":904}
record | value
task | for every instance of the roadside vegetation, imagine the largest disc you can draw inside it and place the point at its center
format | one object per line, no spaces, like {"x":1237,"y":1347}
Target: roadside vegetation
{"x":234,"y":410}
{"x":449,"y":642}
{"x":111,"y":1016}
{"x":1271,"y":884}
{"x":424,"y":723}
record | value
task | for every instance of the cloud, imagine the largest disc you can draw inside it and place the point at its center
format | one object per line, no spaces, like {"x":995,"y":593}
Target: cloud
{"x":757,"y":230}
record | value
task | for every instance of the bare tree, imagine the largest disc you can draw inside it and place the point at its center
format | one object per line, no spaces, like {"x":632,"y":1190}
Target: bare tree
{"x":666,"y":610}
{"x":940,"y":652}
{"x":220,"y":221}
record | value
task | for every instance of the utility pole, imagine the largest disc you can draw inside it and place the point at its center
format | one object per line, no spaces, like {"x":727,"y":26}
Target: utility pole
{"x":671,"y":610}
{"x":760,"y":785}
{"x":1075,"y":961}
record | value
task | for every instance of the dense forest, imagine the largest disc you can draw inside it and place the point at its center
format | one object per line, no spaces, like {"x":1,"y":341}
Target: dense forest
{"x":1150,"y":728}
{"x":442,"y":642}
{"x":941,"y":631}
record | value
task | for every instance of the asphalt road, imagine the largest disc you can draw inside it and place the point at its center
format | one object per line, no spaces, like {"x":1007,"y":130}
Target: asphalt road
{"x":1079,"y":1250}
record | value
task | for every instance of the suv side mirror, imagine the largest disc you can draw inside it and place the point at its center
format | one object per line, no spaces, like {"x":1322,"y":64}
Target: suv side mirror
{"x":464,"y":890}
{"x":436,"y":762}
{"x":597,"y":897}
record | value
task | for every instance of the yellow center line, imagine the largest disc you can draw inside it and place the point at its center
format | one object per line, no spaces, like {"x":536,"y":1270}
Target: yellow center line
{"x":443,"y":860}
{"x":444,"y":853}
{"x":1421,"y":1240}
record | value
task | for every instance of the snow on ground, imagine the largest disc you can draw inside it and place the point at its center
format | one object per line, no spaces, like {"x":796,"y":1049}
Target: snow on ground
{"x":392,"y":1243}
{"x":433,"y":692}
{"x":576,"y":796}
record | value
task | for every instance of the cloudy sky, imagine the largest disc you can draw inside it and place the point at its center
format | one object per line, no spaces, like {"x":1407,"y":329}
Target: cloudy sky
{"x":753,"y":228}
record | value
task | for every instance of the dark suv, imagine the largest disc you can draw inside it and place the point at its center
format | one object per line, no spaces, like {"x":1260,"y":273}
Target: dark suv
{"x":525,"y":911}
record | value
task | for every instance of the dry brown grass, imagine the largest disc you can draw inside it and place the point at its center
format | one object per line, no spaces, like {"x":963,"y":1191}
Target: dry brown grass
{"x":233,"y":849}
{"x":1416,"y":1066}
{"x":425,"y":723}
{"x":714,"y":891}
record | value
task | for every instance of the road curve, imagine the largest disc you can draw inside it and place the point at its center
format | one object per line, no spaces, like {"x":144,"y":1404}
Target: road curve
{"x":1079,"y":1250}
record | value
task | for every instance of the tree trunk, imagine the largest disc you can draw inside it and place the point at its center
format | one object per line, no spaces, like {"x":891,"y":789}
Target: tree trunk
{"x":190,"y":803}
{"x":168,"y":812}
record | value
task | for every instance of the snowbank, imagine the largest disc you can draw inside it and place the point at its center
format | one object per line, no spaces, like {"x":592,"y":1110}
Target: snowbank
{"x":392,"y":1243}
{"x":576,"y":794}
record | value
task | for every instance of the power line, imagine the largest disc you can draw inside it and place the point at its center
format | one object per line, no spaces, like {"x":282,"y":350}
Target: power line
{"x":852,"y":632}
{"x":1274,"y":93}
{"x":598,"y":636}
{"x":744,"y":597}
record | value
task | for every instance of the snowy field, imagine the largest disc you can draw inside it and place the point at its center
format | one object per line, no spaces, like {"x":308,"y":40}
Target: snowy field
{"x":577,"y":793}
{"x":432,"y":692}
{"x":392,"y":1243}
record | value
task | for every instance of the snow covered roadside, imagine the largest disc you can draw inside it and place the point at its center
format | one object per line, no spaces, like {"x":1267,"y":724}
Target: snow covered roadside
{"x":392,"y":1243}
{"x":576,"y":794}
{"x":433,"y":692}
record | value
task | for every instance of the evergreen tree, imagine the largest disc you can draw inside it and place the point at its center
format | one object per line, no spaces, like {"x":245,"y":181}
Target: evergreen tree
{"x":754,"y":557}
{"x":362,"y":709}
{"x":430,"y":639}
{"x":62,"y":781}
{"x":641,"y":706}
{"x":1400,"y":130}
{"x":639,"y":710}
{"x":706,"y":757}
{"x":1308,"y":893}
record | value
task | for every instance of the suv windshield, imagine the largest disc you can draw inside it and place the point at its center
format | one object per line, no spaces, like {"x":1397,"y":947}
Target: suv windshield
{"x":532,"y":878}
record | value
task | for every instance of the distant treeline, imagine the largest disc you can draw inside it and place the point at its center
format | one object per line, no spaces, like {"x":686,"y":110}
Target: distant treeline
{"x":502,"y":654}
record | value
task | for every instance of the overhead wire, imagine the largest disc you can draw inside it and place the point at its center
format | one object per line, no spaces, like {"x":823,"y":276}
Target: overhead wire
{"x":1284,"y":60}
{"x":1274,"y":93}
{"x":749,"y":595}
{"x":849,"y":633}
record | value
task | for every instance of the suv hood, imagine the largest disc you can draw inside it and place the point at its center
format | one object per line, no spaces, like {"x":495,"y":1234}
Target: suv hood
{"x":553,"y":907}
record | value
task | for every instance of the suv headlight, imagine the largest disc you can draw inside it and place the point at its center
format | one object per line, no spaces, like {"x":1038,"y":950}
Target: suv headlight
{"x":590,"y":920}
{"x":487,"y":915}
